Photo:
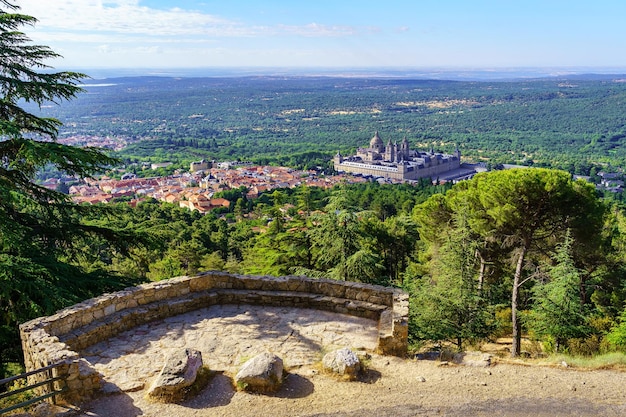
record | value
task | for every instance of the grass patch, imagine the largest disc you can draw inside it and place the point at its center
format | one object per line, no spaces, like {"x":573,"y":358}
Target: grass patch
{"x":16,"y":369}
{"x":613,"y":360}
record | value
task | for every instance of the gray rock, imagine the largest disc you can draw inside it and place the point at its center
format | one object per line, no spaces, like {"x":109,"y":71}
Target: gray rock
{"x":178,"y":374}
{"x":262,"y":374}
{"x":343,"y":362}
{"x":477,"y":359}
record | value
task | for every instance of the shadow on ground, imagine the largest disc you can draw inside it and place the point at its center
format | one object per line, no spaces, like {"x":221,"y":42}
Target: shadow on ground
{"x":218,"y":393}
{"x":370,"y":376}
{"x":295,"y":386}
{"x":221,"y":390}
{"x":118,"y":405}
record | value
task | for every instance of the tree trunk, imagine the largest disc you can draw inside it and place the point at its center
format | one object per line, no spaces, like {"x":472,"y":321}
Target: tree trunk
{"x":481,"y":272}
{"x":517,"y":328}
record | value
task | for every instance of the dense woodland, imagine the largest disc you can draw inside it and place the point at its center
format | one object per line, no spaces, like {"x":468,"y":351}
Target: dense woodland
{"x":574,"y":124}
{"x":523,"y":252}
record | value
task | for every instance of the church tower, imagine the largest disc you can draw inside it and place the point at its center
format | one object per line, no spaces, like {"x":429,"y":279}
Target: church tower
{"x":405,"y":149}
{"x":389,"y":154}
{"x":397,"y":152}
{"x":457,"y":153}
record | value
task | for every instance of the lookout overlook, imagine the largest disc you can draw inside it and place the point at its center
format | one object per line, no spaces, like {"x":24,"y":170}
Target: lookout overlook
{"x":113,"y":346}
{"x":119,"y":342}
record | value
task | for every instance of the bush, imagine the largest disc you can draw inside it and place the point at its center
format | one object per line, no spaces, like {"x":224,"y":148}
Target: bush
{"x":617,"y":336}
{"x":584,"y":346}
{"x":503,"y":322}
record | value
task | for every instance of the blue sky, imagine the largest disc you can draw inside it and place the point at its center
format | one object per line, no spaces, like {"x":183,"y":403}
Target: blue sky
{"x":324,"y":33}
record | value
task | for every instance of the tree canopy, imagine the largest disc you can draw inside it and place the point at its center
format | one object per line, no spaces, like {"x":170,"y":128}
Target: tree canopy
{"x":520,"y":212}
{"x":41,"y":230}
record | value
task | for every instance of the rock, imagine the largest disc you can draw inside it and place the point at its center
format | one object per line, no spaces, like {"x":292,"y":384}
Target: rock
{"x":131,"y":385}
{"x":343,"y":362}
{"x":431,"y":355}
{"x":421,"y":379}
{"x":262,"y":374}
{"x":477,"y":359}
{"x":178,"y":374}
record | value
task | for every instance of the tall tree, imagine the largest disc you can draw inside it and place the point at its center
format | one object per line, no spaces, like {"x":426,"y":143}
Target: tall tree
{"x":449,"y":305}
{"x":41,"y":230}
{"x":558,"y":310}
{"x":522,"y":211}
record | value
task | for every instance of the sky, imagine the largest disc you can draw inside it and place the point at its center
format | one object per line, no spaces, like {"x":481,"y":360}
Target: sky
{"x":330,"y":33}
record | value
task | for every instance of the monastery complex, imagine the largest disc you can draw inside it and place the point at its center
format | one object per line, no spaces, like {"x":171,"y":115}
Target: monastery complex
{"x":397,"y":162}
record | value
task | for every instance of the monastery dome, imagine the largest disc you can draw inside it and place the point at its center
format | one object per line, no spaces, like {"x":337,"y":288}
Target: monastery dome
{"x":376,"y":142}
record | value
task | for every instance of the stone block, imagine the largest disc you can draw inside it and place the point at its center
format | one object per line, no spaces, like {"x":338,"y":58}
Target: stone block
{"x":343,"y":362}
{"x":178,"y":374}
{"x":109,"y":309}
{"x":261,"y":374}
{"x":201,"y":283}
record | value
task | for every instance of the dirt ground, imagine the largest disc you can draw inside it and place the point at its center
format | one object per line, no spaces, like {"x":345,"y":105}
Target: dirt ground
{"x":400,"y":387}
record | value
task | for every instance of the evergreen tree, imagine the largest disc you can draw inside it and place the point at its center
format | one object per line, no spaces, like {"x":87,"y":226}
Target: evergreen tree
{"x":448,"y":303}
{"x":558,"y":311}
{"x":41,"y":230}
{"x":519,"y":212}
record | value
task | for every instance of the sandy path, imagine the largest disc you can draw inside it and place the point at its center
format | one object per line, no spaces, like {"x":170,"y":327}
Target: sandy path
{"x":398,"y":387}
{"x":391,"y":387}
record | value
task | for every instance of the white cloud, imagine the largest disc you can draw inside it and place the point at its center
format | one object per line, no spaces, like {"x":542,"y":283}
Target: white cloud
{"x":105,"y":49}
{"x":91,"y":38}
{"x":318,"y":30}
{"x":128,"y":17}
{"x":103,"y":33}
{"x":124,"y":17}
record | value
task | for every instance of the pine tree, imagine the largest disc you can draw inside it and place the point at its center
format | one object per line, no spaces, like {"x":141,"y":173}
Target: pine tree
{"x":28,"y":142}
{"x":558,"y":311}
{"x":41,"y":230}
{"x":449,"y":303}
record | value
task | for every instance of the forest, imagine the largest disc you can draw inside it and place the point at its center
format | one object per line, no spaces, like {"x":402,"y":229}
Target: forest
{"x":528,"y":253}
{"x":574,"y":123}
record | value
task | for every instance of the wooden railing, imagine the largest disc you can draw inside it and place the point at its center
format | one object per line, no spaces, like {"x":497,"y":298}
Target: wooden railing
{"x":48,"y":382}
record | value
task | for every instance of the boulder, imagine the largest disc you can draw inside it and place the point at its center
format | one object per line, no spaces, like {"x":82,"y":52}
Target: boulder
{"x":178,"y":374}
{"x":343,"y":362}
{"x":477,"y":359}
{"x":261,"y":374}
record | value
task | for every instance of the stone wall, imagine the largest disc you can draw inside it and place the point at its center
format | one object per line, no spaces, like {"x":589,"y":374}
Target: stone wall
{"x":59,"y":338}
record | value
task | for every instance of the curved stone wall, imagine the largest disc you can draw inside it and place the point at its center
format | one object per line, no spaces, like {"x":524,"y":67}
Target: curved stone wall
{"x":59,"y":337}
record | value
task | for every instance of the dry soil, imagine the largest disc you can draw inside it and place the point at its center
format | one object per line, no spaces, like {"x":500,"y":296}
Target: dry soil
{"x":400,"y":387}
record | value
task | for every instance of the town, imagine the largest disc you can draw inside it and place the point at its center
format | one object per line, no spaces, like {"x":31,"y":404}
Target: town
{"x":196,"y":189}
